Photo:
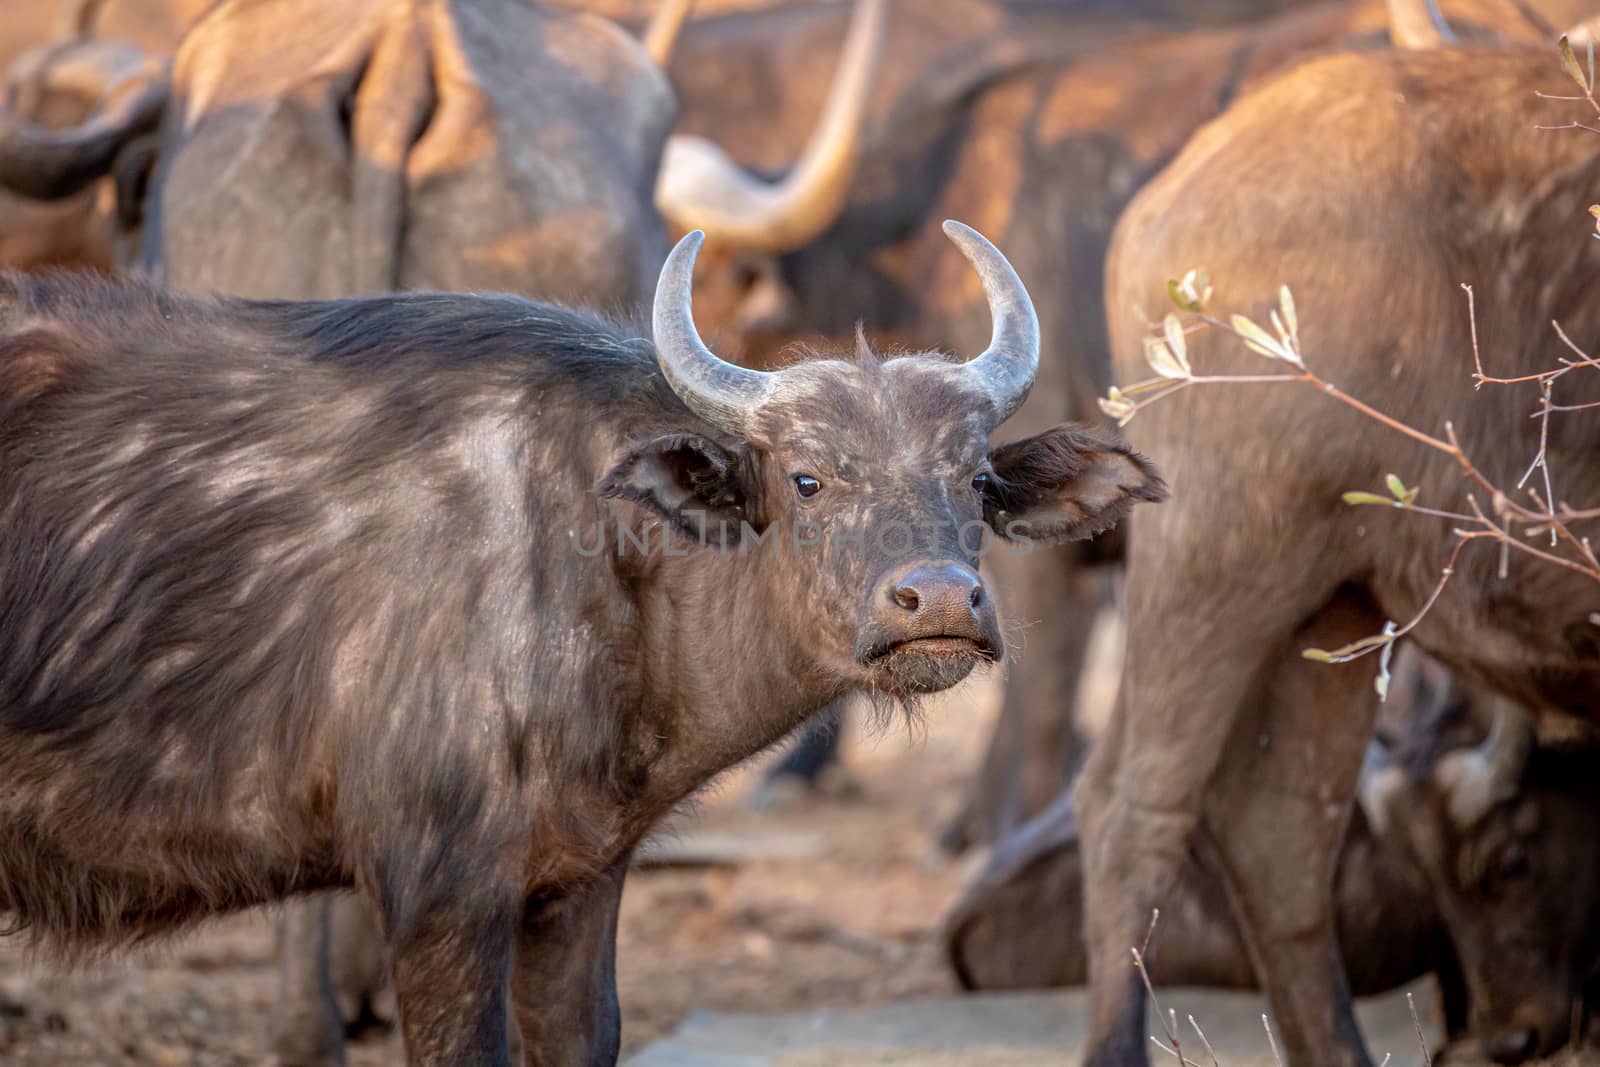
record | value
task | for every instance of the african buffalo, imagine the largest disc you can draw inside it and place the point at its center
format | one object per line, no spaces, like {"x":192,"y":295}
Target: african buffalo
{"x":1504,"y":833}
{"x":395,"y":144}
{"x":452,"y":144}
{"x":1374,"y":185}
{"x":1043,"y":122}
{"x":1511,"y":883}
{"x":60,"y":61}
{"x":310,"y":595}
{"x":1019,"y":924}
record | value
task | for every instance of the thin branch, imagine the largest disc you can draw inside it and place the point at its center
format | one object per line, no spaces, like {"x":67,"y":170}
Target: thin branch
{"x":1209,"y":1050}
{"x":1427,"y":1057}
{"x":1277,"y":1059}
{"x":1544,"y":518}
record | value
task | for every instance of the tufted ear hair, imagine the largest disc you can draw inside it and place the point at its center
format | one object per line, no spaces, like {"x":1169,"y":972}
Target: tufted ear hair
{"x":700,"y":487}
{"x":1066,"y":484}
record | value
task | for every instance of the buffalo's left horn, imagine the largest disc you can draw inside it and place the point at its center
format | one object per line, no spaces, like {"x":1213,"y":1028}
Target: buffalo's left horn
{"x":1417,"y":24}
{"x":719,"y":392}
{"x":1006,"y":369}
{"x":1477,"y":779}
{"x":699,"y":187}
{"x":51,"y":164}
{"x":661,"y":36}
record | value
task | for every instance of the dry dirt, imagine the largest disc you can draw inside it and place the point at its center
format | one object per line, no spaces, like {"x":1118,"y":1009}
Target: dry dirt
{"x":854,"y":925}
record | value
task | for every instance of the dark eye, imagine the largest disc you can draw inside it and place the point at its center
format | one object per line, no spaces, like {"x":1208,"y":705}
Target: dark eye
{"x":980,"y":481}
{"x":1514,"y":862}
{"x":806,"y":485}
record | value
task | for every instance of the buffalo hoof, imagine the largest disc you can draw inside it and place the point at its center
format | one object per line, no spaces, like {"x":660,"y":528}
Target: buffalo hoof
{"x":367,"y":1024}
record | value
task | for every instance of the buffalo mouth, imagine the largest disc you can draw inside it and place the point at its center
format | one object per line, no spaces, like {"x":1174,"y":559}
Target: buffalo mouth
{"x":927,"y":664}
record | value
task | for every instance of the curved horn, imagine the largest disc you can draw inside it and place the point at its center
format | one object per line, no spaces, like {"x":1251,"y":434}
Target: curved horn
{"x":1583,"y":33}
{"x":1380,"y":783}
{"x":51,"y":164}
{"x":723,"y":394}
{"x":1417,"y":24}
{"x":1477,"y":779}
{"x":701,"y":188}
{"x":1007,"y":367}
{"x":75,"y":18}
{"x":662,"y":34}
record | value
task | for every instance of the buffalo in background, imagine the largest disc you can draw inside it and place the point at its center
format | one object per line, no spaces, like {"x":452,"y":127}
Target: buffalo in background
{"x":1222,"y":733}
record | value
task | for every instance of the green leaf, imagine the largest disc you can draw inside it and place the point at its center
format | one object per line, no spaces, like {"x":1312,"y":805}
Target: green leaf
{"x":1286,"y":303}
{"x":1396,"y":486}
{"x":1261,"y":341}
{"x":1570,"y":61}
{"x":1115,"y":405}
{"x":1358,"y":497}
{"x":1347,"y":652}
{"x":1191,"y":292}
{"x":1173,"y":330}
{"x":1162,"y":361}
{"x":1149,"y":385}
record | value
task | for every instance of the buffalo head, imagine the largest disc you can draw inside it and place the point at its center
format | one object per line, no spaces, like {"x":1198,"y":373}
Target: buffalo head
{"x":1504,"y":832}
{"x":869,"y":484}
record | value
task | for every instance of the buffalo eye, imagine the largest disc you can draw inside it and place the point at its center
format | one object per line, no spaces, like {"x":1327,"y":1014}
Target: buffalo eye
{"x":981,"y":482}
{"x":1514,"y":863}
{"x":806,"y":485}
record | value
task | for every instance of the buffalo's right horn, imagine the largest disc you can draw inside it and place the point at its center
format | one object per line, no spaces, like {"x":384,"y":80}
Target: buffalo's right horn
{"x":1417,"y":24}
{"x":719,"y":392}
{"x":1006,"y":369}
{"x":51,"y":164}
{"x":1477,"y":779}
{"x":699,"y":187}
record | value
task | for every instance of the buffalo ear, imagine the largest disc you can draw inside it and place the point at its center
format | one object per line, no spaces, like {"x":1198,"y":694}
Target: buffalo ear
{"x":1066,"y":484}
{"x":701,"y":488}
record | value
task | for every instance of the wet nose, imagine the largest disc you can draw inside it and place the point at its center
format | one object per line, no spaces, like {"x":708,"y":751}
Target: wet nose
{"x":946,"y":596}
{"x":1512,"y":1046}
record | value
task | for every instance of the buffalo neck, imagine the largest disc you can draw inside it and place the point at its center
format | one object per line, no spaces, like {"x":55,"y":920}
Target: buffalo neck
{"x":720,"y":672}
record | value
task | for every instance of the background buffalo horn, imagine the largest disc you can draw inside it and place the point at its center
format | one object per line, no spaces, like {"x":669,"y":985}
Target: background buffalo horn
{"x":719,"y":392}
{"x":662,"y":34}
{"x":1417,"y":24}
{"x":1583,"y":33}
{"x":1007,"y":367}
{"x":1380,"y":783}
{"x":1477,"y":779}
{"x":50,"y":164}
{"x":75,"y":18}
{"x":701,"y":188}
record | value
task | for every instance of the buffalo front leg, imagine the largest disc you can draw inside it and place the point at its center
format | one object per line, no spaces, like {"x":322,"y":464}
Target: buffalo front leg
{"x":565,"y":981}
{"x":452,"y":967}
{"x":1200,"y":634}
{"x":1277,"y":817}
{"x":306,"y":1028}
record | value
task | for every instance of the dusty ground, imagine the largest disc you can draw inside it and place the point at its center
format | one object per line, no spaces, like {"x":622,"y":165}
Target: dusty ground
{"x":855,"y":925}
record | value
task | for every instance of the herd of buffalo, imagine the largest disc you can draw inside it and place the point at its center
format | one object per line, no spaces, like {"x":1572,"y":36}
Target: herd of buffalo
{"x":324,"y":567}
